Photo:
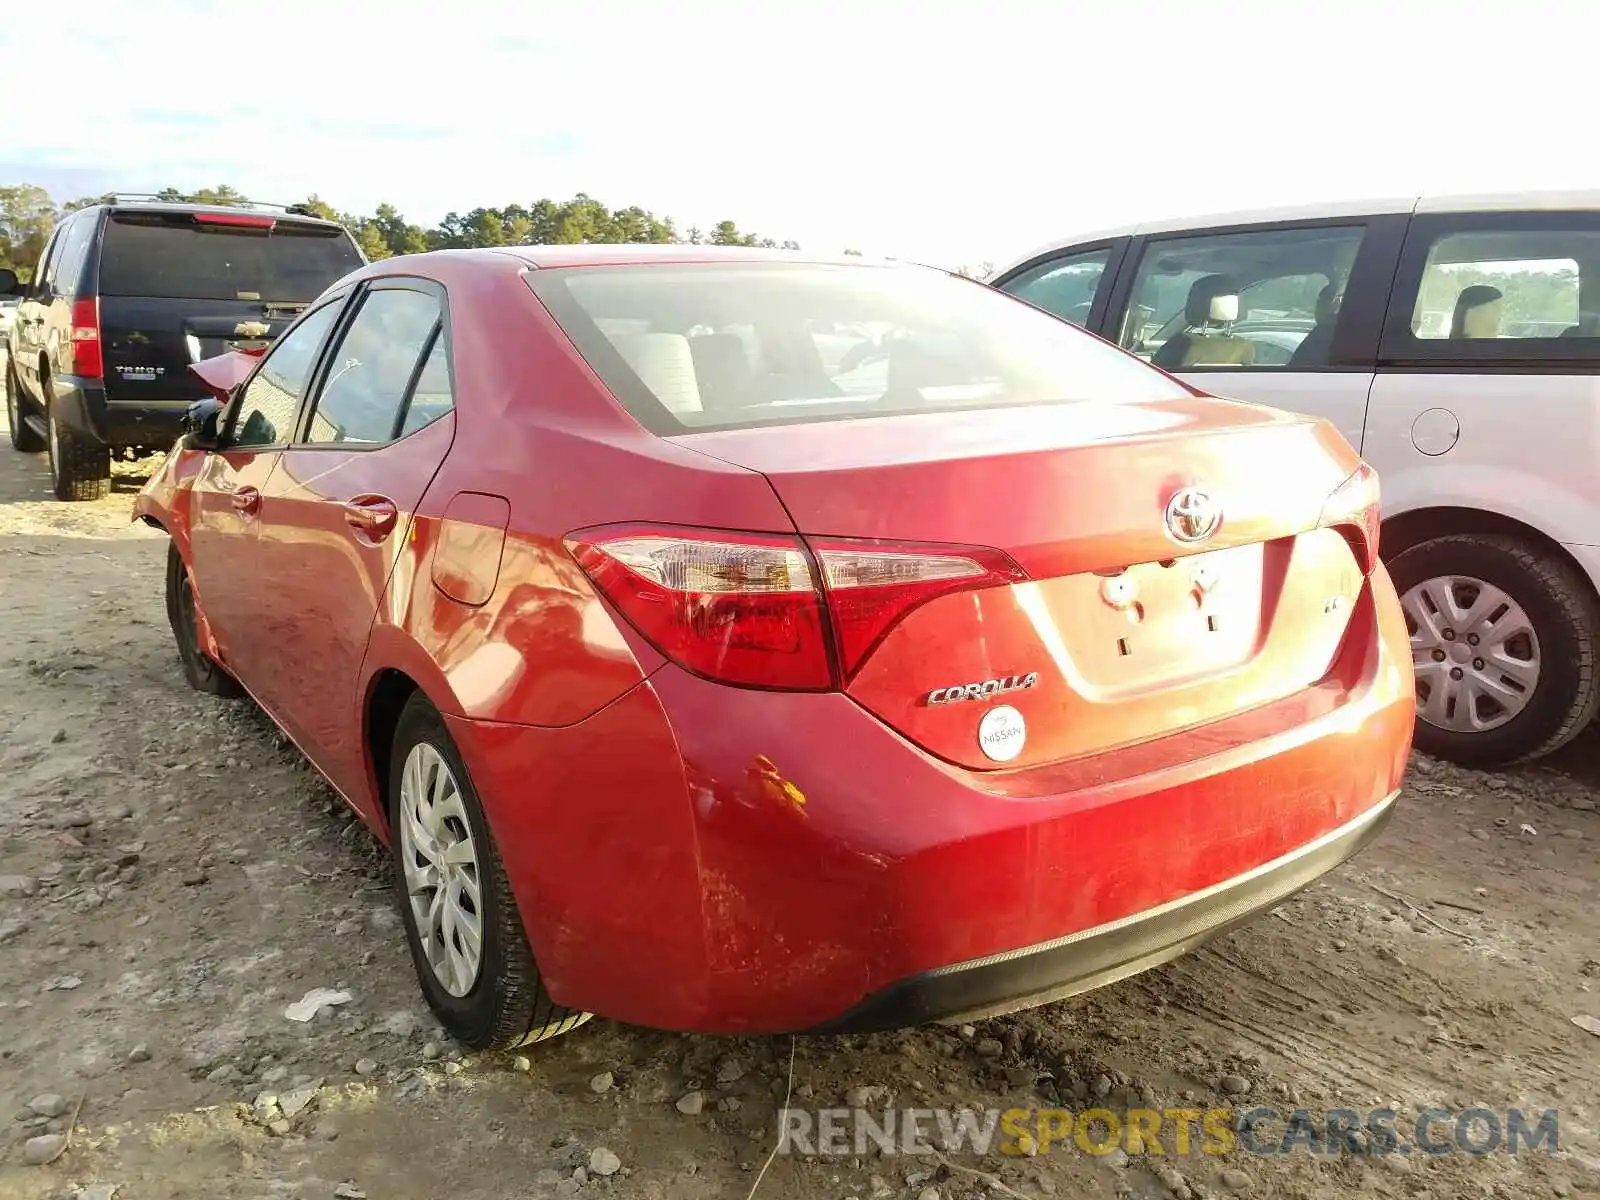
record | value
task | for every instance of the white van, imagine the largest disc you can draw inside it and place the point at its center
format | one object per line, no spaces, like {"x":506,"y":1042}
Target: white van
{"x":1456,"y":343}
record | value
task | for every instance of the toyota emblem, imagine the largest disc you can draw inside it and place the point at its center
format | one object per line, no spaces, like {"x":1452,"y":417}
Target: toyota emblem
{"x":1192,"y":515}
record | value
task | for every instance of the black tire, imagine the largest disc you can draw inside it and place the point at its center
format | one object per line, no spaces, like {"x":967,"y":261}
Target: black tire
{"x":80,"y":469}
{"x":1565,"y":617}
{"x":202,"y":672}
{"x":507,"y":1005}
{"x":23,"y":437}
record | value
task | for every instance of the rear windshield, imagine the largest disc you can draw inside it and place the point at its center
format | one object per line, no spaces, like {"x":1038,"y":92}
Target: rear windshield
{"x":157,"y":256}
{"x":716,"y":346}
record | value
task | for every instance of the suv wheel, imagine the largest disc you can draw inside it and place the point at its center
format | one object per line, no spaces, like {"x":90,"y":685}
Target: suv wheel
{"x":80,"y":469}
{"x":1503,"y":642}
{"x":23,"y":437}
{"x":467,"y":943}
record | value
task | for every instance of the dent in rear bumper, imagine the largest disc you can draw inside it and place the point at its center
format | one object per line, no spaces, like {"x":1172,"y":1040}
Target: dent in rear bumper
{"x":1092,"y":958}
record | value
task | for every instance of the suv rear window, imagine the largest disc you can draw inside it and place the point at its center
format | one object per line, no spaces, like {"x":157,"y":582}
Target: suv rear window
{"x":159,"y":256}
{"x":715,"y":346}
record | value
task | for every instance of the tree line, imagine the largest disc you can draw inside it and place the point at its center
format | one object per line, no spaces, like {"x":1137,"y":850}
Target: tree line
{"x":28,"y":213}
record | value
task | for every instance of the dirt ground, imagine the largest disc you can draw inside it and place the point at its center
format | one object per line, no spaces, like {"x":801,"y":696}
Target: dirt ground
{"x":172,"y":875}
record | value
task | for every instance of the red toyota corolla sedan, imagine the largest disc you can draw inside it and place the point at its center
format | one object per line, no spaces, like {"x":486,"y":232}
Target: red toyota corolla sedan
{"x":743,"y":642}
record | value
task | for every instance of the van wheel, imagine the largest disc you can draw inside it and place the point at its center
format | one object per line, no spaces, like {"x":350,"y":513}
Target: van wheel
{"x":80,"y":469}
{"x":23,"y":437}
{"x":1503,"y":642}
{"x":467,"y":942}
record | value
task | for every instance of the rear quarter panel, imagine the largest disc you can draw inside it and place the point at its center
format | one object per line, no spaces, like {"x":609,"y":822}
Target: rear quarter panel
{"x":1526,"y":448}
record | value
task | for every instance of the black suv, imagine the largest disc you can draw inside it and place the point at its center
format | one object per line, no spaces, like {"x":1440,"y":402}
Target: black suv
{"x":128,"y":294}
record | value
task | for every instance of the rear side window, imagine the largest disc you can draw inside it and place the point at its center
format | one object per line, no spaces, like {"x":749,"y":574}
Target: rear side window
{"x":372,"y":372}
{"x":68,"y":270}
{"x":434,"y":395}
{"x":723,"y":345}
{"x":1507,"y":284}
{"x":145,"y":255}
{"x":1492,"y":288}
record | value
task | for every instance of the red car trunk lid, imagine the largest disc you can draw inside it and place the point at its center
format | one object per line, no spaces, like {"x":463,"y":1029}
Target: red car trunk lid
{"x":1122,"y":632}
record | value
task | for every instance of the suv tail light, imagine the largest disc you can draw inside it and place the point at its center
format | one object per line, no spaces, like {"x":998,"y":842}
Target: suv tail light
{"x":769,"y":611}
{"x":242,"y":220}
{"x":1353,"y":508}
{"x":83,"y":346}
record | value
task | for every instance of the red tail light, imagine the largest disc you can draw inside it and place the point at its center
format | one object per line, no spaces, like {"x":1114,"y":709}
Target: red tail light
{"x":736,"y":608}
{"x":747,"y":609}
{"x":83,"y":346}
{"x":1354,"y":509}
{"x":871,"y":585}
{"x":237,"y":220}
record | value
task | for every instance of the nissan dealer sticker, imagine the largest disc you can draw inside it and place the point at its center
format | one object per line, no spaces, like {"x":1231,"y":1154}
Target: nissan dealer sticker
{"x":1002,"y":732}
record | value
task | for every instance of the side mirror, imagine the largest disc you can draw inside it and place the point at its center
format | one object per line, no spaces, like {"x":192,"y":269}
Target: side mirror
{"x":202,"y":422}
{"x":8,"y":282}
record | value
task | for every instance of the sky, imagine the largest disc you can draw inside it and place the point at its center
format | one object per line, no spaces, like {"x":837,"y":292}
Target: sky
{"x":953,"y":133}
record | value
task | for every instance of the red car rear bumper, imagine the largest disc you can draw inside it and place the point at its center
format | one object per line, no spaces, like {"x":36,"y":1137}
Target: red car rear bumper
{"x":700,"y":858}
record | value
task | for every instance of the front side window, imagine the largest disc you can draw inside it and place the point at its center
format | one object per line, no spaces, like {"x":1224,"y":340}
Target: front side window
{"x":697,"y":346}
{"x":1240,"y":301}
{"x":271,"y":399}
{"x":372,"y":371}
{"x":1063,"y":286}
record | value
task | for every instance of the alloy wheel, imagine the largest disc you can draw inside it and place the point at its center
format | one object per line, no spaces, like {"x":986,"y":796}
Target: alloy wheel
{"x":1474,"y":653}
{"x":442,"y":875}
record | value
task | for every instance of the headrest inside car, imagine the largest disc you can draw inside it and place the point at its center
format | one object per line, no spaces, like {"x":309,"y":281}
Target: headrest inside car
{"x":664,"y":364}
{"x":1213,"y":300}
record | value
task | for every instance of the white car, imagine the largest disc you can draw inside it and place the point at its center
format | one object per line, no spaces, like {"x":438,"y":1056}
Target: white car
{"x":1456,"y":343}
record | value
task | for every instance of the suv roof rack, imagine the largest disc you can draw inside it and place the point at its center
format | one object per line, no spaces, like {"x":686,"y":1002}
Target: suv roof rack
{"x":298,"y":210}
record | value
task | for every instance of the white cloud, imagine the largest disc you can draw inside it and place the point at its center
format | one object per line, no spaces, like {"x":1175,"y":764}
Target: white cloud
{"x":952,"y":132}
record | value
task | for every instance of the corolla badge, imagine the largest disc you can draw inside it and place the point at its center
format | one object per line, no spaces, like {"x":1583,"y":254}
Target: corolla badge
{"x":1193,"y":515}
{"x":981,"y":691}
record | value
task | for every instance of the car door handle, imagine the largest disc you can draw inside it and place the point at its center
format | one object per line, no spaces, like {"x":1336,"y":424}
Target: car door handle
{"x":372,"y":516}
{"x":247,"y":500}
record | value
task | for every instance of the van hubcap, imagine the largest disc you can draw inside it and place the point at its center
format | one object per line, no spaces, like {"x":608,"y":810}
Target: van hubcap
{"x":1474,"y":653}
{"x":440,"y":860}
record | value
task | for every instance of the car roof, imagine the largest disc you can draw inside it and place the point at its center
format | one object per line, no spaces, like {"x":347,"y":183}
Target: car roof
{"x":585,"y":255}
{"x":445,"y":263}
{"x":1486,"y":202}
